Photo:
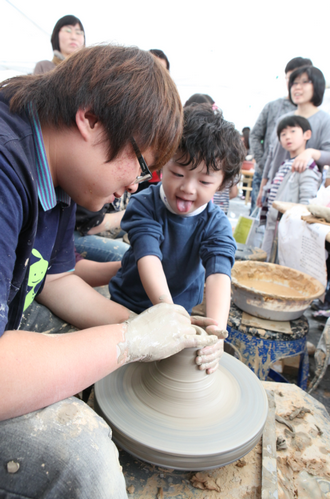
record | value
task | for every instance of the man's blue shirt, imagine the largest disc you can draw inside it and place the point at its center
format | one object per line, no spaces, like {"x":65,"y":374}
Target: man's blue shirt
{"x":36,"y":222}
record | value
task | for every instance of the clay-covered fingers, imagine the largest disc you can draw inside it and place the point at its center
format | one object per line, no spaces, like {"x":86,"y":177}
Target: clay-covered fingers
{"x":199,"y":338}
{"x":208,"y":358}
{"x":202,"y":321}
{"x":220,"y":333}
{"x":161,"y":331}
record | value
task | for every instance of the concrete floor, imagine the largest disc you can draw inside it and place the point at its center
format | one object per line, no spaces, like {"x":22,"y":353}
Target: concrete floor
{"x":238,"y":207}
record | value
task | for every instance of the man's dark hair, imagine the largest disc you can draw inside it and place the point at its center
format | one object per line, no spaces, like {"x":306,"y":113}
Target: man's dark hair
{"x":208,"y":137}
{"x":124,"y":87}
{"x":297,"y":62}
{"x":199,"y":99}
{"x":64,"y":21}
{"x":293,"y":121}
{"x":316,"y":77}
{"x":160,"y":54}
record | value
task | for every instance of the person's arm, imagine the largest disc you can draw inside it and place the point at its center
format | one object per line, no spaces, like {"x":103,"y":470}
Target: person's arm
{"x":217,"y":299}
{"x":155,"y":285}
{"x":233,"y":192}
{"x":260,"y":193}
{"x":96,"y":273}
{"x":258,"y":134}
{"x":37,"y":370}
{"x":77,"y":303}
{"x":300,"y":163}
{"x":309,"y":183}
{"x":110,"y":221}
{"x":153,"y":279}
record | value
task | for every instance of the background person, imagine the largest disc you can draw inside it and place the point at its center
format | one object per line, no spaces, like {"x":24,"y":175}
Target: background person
{"x":261,"y":133}
{"x":68,"y":36}
{"x":293,"y":133}
{"x":306,"y":88}
{"x":162,"y":57}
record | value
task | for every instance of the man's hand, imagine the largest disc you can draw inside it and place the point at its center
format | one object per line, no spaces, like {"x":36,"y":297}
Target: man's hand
{"x":208,"y":358}
{"x":159,"y":332}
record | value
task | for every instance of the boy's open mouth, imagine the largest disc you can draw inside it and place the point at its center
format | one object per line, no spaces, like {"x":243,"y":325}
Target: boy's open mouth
{"x":183,"y":206}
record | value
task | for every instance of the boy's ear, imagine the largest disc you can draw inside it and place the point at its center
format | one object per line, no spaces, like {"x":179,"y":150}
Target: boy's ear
{"x":308,"y":134}
{"x":86,"y":122}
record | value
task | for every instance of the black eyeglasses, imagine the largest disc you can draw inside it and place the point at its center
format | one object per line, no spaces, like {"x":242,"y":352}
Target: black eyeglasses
{"x":145,"y":172}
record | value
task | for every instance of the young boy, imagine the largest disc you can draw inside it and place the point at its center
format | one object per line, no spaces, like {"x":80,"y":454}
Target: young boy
{"x":178,"y":237}
{"x":293,"y":133}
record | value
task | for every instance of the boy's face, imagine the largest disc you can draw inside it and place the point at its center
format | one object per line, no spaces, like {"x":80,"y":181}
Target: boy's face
{"x":187,"y":190}
{"x":293,"y":139}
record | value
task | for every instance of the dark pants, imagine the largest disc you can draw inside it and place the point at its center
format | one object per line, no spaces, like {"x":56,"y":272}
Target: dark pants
{"x":63,"y":451}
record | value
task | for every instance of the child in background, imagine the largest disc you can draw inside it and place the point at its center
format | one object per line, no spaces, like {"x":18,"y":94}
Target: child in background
{"x":293,"y":133}
{"x":179,"y":238}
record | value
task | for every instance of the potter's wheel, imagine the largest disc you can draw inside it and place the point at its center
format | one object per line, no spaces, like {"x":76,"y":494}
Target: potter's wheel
{"x":171,"y":414}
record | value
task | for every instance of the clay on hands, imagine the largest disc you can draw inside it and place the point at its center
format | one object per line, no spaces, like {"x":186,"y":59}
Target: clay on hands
{"x":159,"y":332}
{"x":208,"y":358}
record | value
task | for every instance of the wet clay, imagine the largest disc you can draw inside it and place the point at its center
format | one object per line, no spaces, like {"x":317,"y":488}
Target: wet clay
{"x":270,"y":288}
{"x":275,"y":280}
{"x":272,"y":291}
{"x":172,"y":414}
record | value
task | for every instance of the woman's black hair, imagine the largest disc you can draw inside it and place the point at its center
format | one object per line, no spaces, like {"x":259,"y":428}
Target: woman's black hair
{"x":293,"y":121}
{"x":64,"y":21}
{"x":160,"y":54}
{"x":316,"y":77}
{"x":297,"y":62}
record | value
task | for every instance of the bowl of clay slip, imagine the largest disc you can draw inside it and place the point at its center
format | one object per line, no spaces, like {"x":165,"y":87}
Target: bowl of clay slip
{"x":272,"y":291}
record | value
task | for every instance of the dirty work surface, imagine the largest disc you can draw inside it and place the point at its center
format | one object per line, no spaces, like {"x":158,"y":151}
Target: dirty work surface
{"x":240,"y":480}
{"x":304,"y":439}
{"x":322,"y":392}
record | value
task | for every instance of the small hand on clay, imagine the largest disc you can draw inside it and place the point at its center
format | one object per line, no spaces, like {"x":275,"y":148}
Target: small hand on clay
{"x":161,"y":331}
{"x":208,"y":358}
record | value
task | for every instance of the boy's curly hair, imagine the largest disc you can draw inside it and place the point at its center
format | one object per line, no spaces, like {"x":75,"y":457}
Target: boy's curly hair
{"x":208,"y":137}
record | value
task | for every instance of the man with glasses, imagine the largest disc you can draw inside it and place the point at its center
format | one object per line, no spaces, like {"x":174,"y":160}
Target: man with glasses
{"x":66,"y":137}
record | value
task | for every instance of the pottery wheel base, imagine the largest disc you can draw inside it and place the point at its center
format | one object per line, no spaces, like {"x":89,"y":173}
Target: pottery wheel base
{"x":170,"y":414}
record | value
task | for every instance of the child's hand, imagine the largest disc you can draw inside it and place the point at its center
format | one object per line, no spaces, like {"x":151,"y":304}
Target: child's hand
{"x":208,"y":358}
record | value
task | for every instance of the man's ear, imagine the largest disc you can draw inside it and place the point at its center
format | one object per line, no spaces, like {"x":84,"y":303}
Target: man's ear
{"x":87,"y":123}
{"x":308,"y":134}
